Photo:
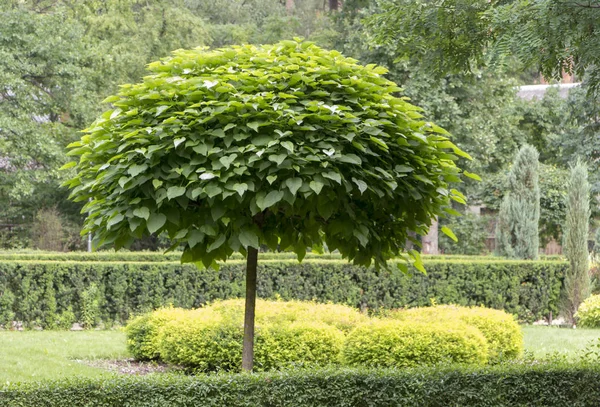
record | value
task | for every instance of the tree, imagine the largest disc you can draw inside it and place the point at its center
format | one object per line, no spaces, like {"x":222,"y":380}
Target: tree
{"x":577,"y":281}
{"x":554,"y":36}
{"x":288,"y":146}
{"x":517,"y":232}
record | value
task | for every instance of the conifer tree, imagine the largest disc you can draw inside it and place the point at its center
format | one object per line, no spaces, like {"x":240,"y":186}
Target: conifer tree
{"x":517,"y":233}
{"x":577,"y":280}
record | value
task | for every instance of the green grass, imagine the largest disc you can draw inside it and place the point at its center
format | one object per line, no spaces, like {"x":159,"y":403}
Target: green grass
{"x":543,"y":340}
{"x":38,"y":355}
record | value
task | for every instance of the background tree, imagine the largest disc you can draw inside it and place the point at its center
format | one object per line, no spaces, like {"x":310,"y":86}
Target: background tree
{"x":577,"y":285}
{"x":299,"y":149}
{"x":517,"y":232}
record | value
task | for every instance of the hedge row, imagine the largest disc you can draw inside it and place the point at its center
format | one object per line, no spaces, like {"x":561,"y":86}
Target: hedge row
{"x":176,"y":256}
{"x":49,"y":294}
{"x":514,"y":386}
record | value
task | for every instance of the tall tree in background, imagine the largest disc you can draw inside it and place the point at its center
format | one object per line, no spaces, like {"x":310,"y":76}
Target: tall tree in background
{"x":577,"y":281}
{"x":517,"y":234}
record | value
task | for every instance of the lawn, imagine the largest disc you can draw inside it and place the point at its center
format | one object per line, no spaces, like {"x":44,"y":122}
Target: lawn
{"x":542,"y":340}
{"x":37,"y":355}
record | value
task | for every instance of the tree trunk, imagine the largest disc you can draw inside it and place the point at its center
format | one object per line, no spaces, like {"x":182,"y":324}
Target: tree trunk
{"x":248,"y":351}
{"x":333,"y":5}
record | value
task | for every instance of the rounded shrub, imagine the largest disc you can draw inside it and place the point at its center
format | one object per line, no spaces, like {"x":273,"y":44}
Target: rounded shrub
{"x":390,"y":343}
{"x":502,"y":332}
{"x":287,"y":333}
{"x":142,"y":331}
{"x":588,"y":314}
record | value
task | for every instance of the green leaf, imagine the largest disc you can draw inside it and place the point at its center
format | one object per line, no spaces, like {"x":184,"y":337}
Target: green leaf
{"x":362,"y":185}
{"x":240,"y":188}
{"x":216,"y":244}
{"x":68,"y":165}
{"x":135,"y":170}
{"x":448,"y":232}
{"x":248,"y":238}
{"x":316,"y":186}
{"x":174,"y":192}
{"x":277,"y":158}
{"x":350,"y":159}
{"x":156,"y":221}
{"x":178,"y":141}
{"x":472,"y":176}
{"x":142,"y":212}
{"x":195,"y":237}
{"x":156,"y":183}
{"x":403,"y":168}
{"x":114,"y":220}
{"x":332,"y":175}
{"x":288,"y":145}
{"x":271,"y":199}
{"x":293,"y":184}
{"x":271,"y":179}
{"x":253,"y":126}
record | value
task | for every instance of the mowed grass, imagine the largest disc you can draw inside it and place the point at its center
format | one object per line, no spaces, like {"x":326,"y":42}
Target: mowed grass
{"x":543,"y":340}
{"x":40,"y":355}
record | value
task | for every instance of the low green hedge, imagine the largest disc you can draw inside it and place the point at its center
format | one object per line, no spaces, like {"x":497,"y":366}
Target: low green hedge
{"x":124,"y":256}
{"x":512,"y":386}
{"x":52,"y":294}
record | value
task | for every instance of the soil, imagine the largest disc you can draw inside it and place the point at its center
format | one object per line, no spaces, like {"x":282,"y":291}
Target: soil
{"x":128,"y":366}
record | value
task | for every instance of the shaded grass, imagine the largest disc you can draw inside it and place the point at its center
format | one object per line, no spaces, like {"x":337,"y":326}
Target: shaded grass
{"x":39,"y":355}
{"x":543,"y":340}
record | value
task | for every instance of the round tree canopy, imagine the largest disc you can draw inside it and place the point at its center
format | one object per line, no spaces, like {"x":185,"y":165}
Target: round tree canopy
{"x":286,"y":145}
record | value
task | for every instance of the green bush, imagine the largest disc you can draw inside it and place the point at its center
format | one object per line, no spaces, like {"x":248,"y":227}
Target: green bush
{"x":502,"y":332}
{"x":287,"y":333}
{"x":588,"y":314}
{"x":142,"y":331}
{"x":390,"y":343}
{"x":40,"y":290}
{"x":501,"y":386}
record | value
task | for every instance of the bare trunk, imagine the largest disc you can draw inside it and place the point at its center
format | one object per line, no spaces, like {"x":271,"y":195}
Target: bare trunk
{"x":248,"y":351}
{"x":333,"y":5}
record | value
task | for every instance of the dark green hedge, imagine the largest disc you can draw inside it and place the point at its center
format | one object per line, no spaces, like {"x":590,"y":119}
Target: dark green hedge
{"x":547,"y":386}
{"x":44,"y":293}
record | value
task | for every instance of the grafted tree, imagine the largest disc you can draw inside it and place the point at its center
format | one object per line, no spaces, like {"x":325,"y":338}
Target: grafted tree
{"x":517,"y":232}
{"x":287,"y":146}
{"x":577,"y":281}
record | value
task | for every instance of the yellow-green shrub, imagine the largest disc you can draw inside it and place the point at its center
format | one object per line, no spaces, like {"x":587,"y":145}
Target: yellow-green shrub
{"x":588,"y":314}
{"x":391,"y":343}
{"x":284,"y":312}
{"x":295,"y":332}
{"x":502,"y":332}
{"x":142,"y":331}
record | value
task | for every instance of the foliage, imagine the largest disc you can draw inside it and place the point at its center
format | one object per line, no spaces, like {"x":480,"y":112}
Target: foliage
{"x":588,"y":313}
{"x":142,"y":331}
{"x":552,"y":36}
{"x":229,"y":161}
{"x":546,"y":384}
{"x":472,"y":233}
{"x":552,"y":181}
{"x":517,"y":231}
{"x":47,"y":230}
{"x":577,"y":284}
{"x":43,"y":290}
{"x":210,"y":338}
{"x":391,"y":343}
{"x":90,"y":306}
{"x":501,"y":331}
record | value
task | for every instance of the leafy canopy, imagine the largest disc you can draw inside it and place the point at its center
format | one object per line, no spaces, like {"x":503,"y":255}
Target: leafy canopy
{"x":286,"y":145}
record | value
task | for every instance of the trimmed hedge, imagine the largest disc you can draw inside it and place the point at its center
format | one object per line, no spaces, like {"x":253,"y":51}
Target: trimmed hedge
{"x":506,"y":386}
{"x":500,"y":329}
{"x":46,"y":293}
{"x":390,"y":343}
{"x":588,"y":314}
